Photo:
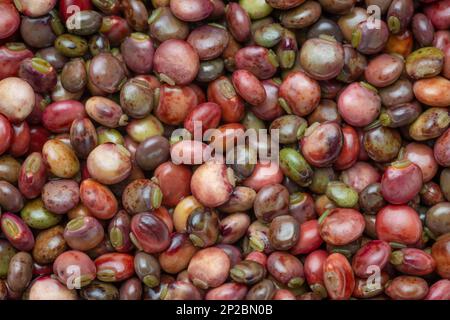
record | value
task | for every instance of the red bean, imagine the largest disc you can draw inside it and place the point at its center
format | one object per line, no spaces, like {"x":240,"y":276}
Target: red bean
{"x":407,"y":288}
{"x":313,"y":268}
{"x":373,"y":254}
{"x":58,"y":116}
{"x":300,"y":94}
{"x":309,"y":240}
{"x":338,"y":277}
{"x":401,"y":182}
{"x":398,"y":223}
{"x":249,"y":87}
{"x":341,"y":226}
{"x":176,"y":60}
{"x":413,"y":261}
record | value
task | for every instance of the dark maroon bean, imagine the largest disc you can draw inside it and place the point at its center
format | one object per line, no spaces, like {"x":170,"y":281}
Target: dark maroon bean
{"x":238,"y":21}
{"x":163,"y":25}
{"x":322,"y":58}
{"x":271,"y":201}
{"x":422,"y":29}
{"x":203,"y":227}
{"x":248,"y":272}
{"x":438,"y":219}
{"x":322,"y":144}
{"x":106,"y":72}
{"x":115,"y":28}
{"x":302,"y":16}
{"x":136,"y":14}
{"x":147,"y":269}
{"x":83,"y":137}
{"x":37,"y":32}
{"x":399,"y":15}
{"x":10,"y":197}
{"x":354,"y":65}
{"x":152,"y":152}
{"x":20,"y":272}
{"x":39,"y":74}
{"x":149,"y":233}
{"x":327,"y":27}
{"x":284,"y":232}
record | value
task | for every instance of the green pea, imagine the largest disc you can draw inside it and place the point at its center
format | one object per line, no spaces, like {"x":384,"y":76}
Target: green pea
{"x":286,"y":49}
{"x":424,"y":63}
{"x":343,"y":195}
{"x":56,"y":24}
{"x":109,"y":135}
{"x":37,"y":216}
{"x":71,"y":46}
{"x":430,"y":124}
{"x":444,"y":183}
{"x":256,"y":9}
{"x":250,"y":121}
{"x":7,"y":251}
{"x":141,"y":129}
{"x":321,"y":178}
{"x":98,"y":43}
{"x":268,"y":35}
{"x":295,"y":167}
{"x":210,"y":70}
